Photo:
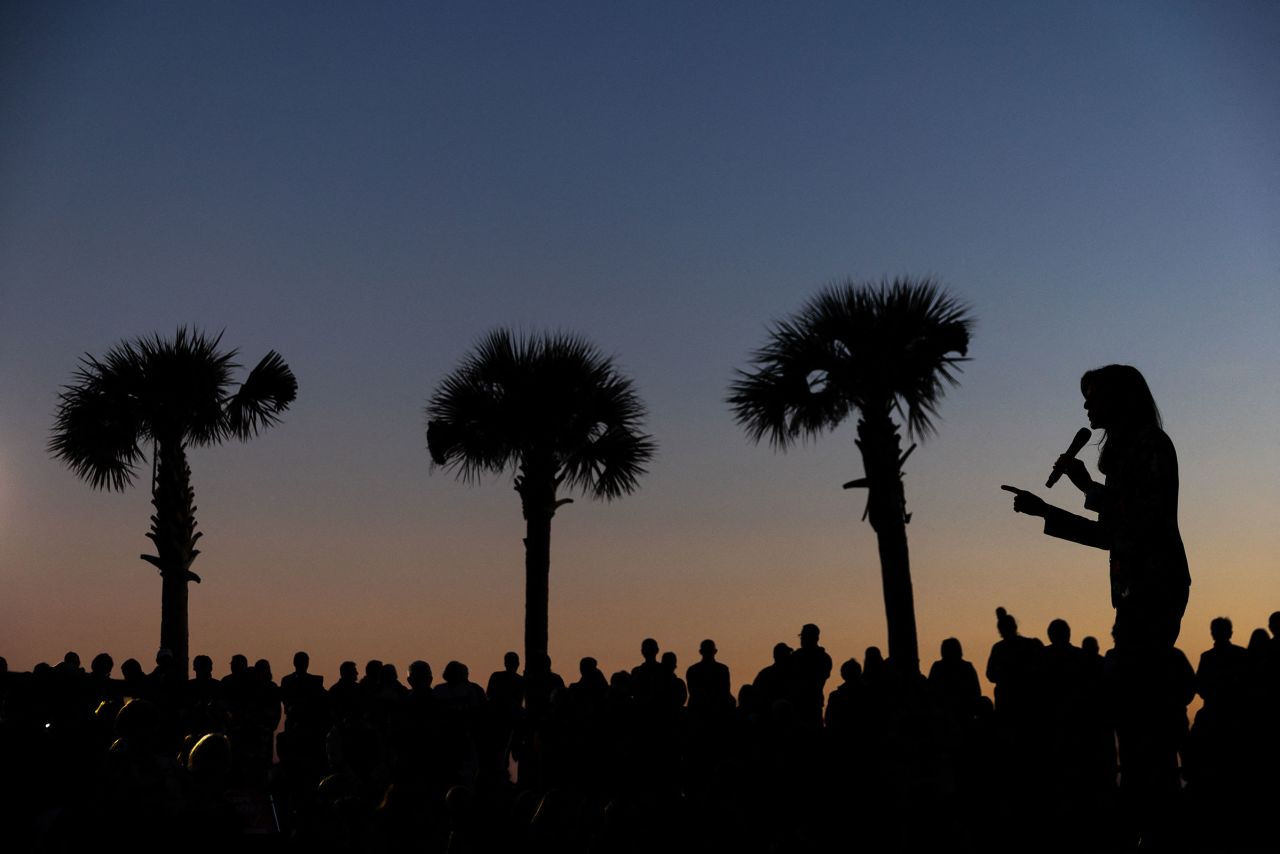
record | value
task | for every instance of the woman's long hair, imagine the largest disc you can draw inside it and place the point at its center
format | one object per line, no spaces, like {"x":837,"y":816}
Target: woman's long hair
{"x":1129,"y":398}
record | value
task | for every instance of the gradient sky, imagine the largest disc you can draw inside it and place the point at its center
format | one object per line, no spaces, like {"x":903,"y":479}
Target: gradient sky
{"x":368,"y":188}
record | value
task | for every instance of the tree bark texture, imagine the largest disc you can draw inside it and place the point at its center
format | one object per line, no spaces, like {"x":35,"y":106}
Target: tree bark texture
{"x":537,"y":488}
{"x":881,"y":447}
{"x":173,"y":532}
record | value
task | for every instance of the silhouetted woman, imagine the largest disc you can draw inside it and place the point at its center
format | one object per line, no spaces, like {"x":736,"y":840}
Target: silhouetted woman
{"x":1137,"y":523}
{"x":1137,"y":508}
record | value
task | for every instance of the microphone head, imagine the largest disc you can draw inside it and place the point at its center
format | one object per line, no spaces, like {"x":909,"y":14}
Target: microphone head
{"x":1081,"y":437}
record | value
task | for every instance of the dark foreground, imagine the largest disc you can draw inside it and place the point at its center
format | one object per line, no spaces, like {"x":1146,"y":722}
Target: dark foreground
{"x":646,"y":761}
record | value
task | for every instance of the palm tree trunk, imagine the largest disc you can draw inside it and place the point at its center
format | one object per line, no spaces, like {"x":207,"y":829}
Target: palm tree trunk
{"x":173,"y":531}
{"x":881,"y":447}
{"x":537,"y":488}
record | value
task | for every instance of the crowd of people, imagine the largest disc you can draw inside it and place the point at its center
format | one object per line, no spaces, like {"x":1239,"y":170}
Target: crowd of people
{"x":643,"y":759}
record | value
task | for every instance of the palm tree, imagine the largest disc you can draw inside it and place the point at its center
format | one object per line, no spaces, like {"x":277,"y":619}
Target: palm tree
{"x":556,"y":412}
{"x":173,"y":394}
{"x":876,"y":350}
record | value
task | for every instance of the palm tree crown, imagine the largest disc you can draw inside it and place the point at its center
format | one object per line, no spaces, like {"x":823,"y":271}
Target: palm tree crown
{"x":159,"y":390}
{"x":553,"y":397}
{"x":854,"y":348}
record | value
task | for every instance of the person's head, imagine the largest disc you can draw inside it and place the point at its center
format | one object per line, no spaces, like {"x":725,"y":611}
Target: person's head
{"x":373,"y":670}
{"x":262,"y":668}
{"x":781,"y":652}
{"x":1259,"y":644}
{"x":210,"y":759}
{"x":620,"y":683}
{"x":1273,"y":623}
{"x":301,"y":661}
{"x":707,"y":649}
{"x":872,"y":659}
{"x":1117,"y":397}
{"x":1059,"y":632}
{"x":388,"y":675}
{"x":348,"y":672}
{"x":669,"y":662}
{"x":102,"y":664}
{"x":71,"y":660}
{"x":587,"y":666}
{"x":131,"y":669}
{"x":851,"y":670}
{"x":239,"y":664}
{"x":511,"y":662}
{"x":649,"y":649}
{"x":420,"y":675}
{"x":951,"y":650}
{"x":456,"y":673}
{"x":809,"y":635}
{"x":165,"y":660}
{"x":1089,"y":646}
{"x":1006,"y":624}
{"x":203,"y":666}
{"x":1220,"y":629}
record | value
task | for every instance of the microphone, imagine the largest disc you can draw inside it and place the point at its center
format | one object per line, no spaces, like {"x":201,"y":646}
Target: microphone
{"x":1082,"y":436}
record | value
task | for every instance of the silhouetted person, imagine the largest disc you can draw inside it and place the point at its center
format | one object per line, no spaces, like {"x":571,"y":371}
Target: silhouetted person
{"x":1137,"y":508}
{"x":166,"y":683}
{"x":540,"y":684}
{"x":306,"y":721}
{"x":710,"y":693}
{"x":846,"y":707}
{"x":1215,"y":764}
{"x":505,"y":693}
{"x":135,"y":680}
{"x":266,"y":695}
{"x":1062,"y":668}
{"x":954,"y":682}
{"x":589,"y":691}
{"x":505,"y":690}
{"x":238,"y":690}
{"x":344,"y":696}
{"x":204,"y":710}
{"x":810,"y":669}
{"x":674,"y":692}
{"x":771,"y":683}
{"x":647,"y":677}
{"x":301,"y":692}
{"x":369,"y":684}
{"x":102,"y":688}
{"x":1222,"y":671}
{"x":457,"y":691}
{"x":1014,"y":668}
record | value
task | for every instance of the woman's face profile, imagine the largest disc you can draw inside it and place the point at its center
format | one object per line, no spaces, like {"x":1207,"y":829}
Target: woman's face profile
{"x":1098,"y":407}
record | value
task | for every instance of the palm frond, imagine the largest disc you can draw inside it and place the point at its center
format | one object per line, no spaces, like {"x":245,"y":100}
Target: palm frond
{"x":96,"y":425}
{"x":552,"y":396}
{"x":851,"y":347}
{"x":185,"y":386}
{"x":263,"y":396}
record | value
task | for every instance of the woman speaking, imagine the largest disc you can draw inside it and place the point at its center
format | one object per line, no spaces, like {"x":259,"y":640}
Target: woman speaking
{"x":1151,"y":681}
{"x":1137,"y":508}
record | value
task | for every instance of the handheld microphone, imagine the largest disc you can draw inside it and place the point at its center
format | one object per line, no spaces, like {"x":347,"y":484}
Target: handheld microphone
{"x":1082,"y":436}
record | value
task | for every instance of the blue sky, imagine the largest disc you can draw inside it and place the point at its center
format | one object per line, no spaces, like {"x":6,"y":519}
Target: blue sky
{"x":370,"y":189}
